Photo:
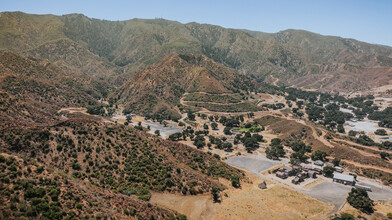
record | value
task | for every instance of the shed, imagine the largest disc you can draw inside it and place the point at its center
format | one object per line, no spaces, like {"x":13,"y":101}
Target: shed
{"x":288,"y":171}
{"x":344,"y":179}
{"x":302,"y":175}
{"x":263,"y":185}
{"x":339,"y":169}
{"x":318,"y":169}
{"x":297,"y":168}
{"x":319,"y":163}
{"x":367,"y":188}
{"x":281,"y":174}
{"x":329,"y":165}
{"x":312,"y":174}
{"x":296,"y":180}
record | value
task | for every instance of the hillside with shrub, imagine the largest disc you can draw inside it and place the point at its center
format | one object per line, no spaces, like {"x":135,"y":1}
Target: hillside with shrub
{"x":120,"y":160}
{"x":32,"y":91}
{"x":155,"y":91}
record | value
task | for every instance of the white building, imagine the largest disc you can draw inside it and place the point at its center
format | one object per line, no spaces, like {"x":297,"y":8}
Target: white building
{"x":344,"y":179}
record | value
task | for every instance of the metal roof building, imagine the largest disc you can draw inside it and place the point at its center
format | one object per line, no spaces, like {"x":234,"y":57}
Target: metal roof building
{"x":343,"y":178}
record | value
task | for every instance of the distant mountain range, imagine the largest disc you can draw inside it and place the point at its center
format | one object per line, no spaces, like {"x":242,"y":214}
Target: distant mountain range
{"x":114,"y":50}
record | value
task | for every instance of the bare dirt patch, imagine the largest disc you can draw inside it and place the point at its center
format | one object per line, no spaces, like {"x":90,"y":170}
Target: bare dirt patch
{"x":194,"y":207}
{"x":275,"y":202}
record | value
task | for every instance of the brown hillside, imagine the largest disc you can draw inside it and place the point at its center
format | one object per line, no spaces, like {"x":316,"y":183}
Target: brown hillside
{"x":32,"y":91}
{"x":160,"y":87}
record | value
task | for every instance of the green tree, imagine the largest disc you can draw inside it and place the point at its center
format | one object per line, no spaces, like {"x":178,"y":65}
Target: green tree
{"x":214,"y":126}
{"x":215,"y":194}
{"x":341,"y":129}
{"x":381,"y":132}
{"x":191,"y":116}
{"x":235,"y":182}
{"x":328,"y":171}
{"x":275,"y":149}
{"x":352,"y":133}
{"x":346,"y":216}
{"x":319,"y":155}
{"x":336,"y":161}
{"x":199,"y":142}
{"x":359,"y":199}
{"x":384,"y":155}
{"x":227,"y":131}
{"x":157,"y":132}
{"x":227,"y":146}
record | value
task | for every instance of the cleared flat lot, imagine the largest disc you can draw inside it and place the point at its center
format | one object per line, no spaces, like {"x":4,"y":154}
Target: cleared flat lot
{"x":330,"y":192}
{"x":164,"y":131}
{"x":337,"y":193}
{"x":253,"y":165}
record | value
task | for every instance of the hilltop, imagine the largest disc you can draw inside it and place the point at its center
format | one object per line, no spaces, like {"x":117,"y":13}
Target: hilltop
{"x":115,"y":50}
{"x":156,"y":90}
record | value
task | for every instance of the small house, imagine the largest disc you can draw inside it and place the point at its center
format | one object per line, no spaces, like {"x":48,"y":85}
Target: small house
{"x":276,"y":170}
{"x":318,"y":163}
{"x":281,"y":175}
{"x":312,"y":174}
{"x":296,"y":180}
{"x":339,"y":169}
{"x":296,"y":169}
{"x":363,"y":187}
{"x":288,"y":171}
{"x":329,"y":165}
{"x":344,"y":179}
{"x":302,"y":176}
{"x":263,"y":185}
{"x":318,"y":169}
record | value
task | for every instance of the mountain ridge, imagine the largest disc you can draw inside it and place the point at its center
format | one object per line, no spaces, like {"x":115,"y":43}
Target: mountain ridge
{"x":115,"y":50}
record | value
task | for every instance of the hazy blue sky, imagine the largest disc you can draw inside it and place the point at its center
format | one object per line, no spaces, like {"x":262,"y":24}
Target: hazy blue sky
{"x":369,"y":20}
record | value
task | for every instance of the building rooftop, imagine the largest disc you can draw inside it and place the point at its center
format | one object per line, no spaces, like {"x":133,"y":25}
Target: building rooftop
{"x":343,"y":177}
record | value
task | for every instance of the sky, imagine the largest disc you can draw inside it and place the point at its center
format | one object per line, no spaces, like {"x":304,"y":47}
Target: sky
{"x":364,"y":20}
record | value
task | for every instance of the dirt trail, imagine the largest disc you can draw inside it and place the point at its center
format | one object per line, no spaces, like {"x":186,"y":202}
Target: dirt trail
{"x":74,"y":110}
{"x":194,"y":207}
{"x":320,"y":138}
{"x":368,"y":166}
{"x":183,"y":102}
{"x":364,"y":153}
{"x":314,"y":131}
{"x":363,"y":146}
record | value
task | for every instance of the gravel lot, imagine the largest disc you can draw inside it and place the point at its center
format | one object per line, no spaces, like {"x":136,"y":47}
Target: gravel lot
{"x":164,"y":131}
{"x":330,"y":192}
{"x":254,"y":165}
